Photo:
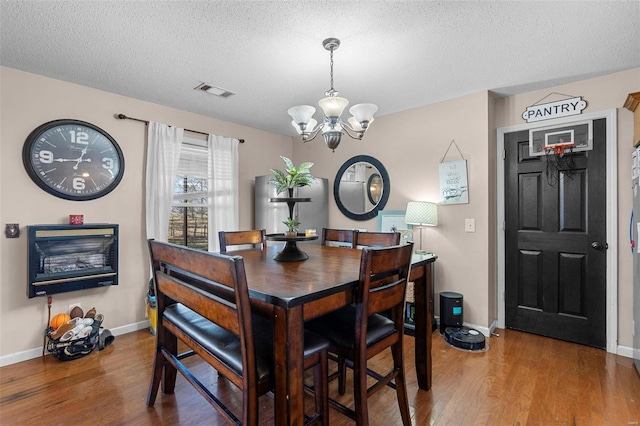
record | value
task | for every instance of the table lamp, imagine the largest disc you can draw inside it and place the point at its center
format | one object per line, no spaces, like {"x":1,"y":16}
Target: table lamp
{"x":421,"y":214}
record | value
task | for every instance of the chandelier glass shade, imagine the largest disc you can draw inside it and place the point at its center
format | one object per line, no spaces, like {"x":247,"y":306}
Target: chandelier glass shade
{"x":332,"y":125}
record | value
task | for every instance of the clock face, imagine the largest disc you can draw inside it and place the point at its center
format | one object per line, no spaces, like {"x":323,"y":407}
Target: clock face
{"x":73,"y":160}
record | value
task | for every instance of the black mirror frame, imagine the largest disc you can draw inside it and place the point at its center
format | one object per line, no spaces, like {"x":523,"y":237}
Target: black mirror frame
{"x":386,"y":187}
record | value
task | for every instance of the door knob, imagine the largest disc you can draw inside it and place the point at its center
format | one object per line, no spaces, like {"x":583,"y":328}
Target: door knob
{"x":597,"y":245}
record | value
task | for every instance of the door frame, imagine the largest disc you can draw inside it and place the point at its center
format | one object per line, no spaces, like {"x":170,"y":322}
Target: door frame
{"x":611,"y":210}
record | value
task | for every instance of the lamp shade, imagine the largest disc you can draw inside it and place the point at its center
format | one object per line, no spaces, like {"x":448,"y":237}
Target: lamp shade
{"x":301,"y":113}
{"x":363,"y":112}
{"x":310,"y":126}
{"x":333,"y":106}
{"x":355,"y":124}
{"x":422,"y":213}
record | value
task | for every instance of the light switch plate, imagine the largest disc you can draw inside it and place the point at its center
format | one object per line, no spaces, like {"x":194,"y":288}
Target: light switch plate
{"x":469,"y":225}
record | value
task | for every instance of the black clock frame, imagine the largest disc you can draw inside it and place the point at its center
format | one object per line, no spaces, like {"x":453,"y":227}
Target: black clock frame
{"x":35,"y":177}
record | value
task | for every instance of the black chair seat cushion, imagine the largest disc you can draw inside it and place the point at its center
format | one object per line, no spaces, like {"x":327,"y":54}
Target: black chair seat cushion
{"x":339,"y":327}
{"x":226,"y":346}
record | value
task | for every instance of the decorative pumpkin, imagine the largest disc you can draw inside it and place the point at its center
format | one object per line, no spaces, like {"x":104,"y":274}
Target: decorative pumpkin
{"x":59,"y":320}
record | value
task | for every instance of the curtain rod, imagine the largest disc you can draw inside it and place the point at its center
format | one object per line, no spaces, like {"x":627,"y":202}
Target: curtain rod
{"x":124,"y":117}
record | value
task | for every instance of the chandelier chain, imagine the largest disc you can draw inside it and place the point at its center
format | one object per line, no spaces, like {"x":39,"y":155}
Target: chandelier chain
{"x":331,"y":62}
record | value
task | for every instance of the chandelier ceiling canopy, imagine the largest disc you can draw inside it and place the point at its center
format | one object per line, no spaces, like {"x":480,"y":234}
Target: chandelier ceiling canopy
{"x":332,"y":105}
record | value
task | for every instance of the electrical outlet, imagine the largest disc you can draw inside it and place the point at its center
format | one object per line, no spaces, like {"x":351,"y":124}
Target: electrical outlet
{"x":73,"y":305}
{"x":469,"y":225}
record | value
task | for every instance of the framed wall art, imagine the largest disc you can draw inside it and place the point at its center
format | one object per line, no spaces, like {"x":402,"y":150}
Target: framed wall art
{"x":454,"y":187}
{"x":393,"y":221}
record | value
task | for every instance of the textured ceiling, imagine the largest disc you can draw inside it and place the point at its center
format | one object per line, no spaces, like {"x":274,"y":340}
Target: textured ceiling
{"x":396,"y":54}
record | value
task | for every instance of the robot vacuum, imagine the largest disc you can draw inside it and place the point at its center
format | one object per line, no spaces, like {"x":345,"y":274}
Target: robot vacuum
{"x":465,"y":338}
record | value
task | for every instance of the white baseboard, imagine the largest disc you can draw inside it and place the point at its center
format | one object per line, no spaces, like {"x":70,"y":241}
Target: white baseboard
{"x":37,"y":352}
{"x":625,"y":351}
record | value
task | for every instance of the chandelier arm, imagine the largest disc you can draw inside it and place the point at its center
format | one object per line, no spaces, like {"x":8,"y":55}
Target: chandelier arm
{"x":313,"y":133}
{"x":353,"y":134}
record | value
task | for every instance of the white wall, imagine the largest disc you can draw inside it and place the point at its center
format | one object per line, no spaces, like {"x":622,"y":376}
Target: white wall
{"x":29,"y":100}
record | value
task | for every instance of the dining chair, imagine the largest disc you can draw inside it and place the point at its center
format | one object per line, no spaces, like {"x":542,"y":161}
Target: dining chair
{"x":235,"y":238}
{"x":339,"y":237}
{"x":203,"y":300}
{"x":377,"y":239}
{"x":358,"y":332}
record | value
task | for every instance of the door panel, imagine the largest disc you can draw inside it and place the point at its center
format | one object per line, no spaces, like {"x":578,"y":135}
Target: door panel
{"x":555,"y":281}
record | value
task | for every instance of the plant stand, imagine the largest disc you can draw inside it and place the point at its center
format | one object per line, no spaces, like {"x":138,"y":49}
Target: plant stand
{"x":290,"y":252}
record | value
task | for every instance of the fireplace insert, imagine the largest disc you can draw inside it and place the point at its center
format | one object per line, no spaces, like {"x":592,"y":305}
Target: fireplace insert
{"x":65,"y":258}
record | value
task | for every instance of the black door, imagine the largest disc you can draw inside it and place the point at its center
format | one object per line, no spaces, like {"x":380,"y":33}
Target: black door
{"x":555,"y":247}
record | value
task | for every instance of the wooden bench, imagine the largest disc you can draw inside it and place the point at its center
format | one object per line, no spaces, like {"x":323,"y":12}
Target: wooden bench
{"x":203,"y":300}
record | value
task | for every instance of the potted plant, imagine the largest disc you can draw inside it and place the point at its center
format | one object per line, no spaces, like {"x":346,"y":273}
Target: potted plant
{"x":291,"y":177}
{"x":287,"y":180}
{"x":292,"y":226}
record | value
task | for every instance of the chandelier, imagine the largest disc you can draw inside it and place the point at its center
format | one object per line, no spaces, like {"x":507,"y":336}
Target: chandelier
{"x":332,"y":105}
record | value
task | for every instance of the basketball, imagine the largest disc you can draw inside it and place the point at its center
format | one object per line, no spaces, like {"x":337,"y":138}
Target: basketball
{"x":59,"y":320}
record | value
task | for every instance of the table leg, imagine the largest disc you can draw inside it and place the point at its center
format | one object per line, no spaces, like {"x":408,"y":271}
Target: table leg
{"x":423,"y":286}
{"x":289,"y":368}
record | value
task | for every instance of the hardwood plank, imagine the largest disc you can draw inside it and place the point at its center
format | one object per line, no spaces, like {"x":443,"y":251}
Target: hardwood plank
{"x":521,"y":379}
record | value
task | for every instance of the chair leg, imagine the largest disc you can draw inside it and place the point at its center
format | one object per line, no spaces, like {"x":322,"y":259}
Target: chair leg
{"x":360,"y":391}
{"x":158,"y":364}
{"x":170,"y":343}
{"x":321,"y":388}
{"x":342,"y":376}
{"x":401,"y":387}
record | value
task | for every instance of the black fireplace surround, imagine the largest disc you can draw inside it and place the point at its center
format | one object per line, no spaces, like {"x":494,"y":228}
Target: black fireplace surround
{"x":65,"y":258}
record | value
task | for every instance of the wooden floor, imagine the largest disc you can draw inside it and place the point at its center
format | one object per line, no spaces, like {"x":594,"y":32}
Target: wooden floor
{"x":521,"y":379}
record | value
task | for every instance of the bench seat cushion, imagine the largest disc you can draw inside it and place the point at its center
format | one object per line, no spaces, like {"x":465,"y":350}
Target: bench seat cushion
{"x":222,"y":344}
{"x":226,"y":346}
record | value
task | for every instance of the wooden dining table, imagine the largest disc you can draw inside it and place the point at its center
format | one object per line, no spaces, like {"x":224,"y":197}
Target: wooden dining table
{"x":293,"y":292}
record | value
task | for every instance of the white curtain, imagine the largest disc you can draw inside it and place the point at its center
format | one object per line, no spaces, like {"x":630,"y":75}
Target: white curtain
{"x":223,"y":187}
{"x":163,"y":157}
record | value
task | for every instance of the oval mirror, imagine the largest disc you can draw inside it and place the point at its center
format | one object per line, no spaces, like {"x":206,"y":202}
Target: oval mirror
{"x":361,"y":187}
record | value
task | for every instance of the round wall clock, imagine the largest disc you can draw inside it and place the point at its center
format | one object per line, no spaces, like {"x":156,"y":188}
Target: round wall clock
{"x":72,"y":159}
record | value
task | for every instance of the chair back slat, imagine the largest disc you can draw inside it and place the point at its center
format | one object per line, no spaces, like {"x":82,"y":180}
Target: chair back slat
{"x":386,"y":296}
{"x":236,"y":238}
{"x":214,"y":308}
{"x":381,"y":239}
{"x":342,"y":237}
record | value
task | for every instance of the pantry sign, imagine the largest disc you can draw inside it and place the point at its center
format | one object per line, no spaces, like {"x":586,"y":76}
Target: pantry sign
{"x":564,"y":108}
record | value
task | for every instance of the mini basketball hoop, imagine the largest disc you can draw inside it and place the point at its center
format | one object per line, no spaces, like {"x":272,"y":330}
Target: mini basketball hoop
{"x":560,"y":162}
{"x":558,"y":148}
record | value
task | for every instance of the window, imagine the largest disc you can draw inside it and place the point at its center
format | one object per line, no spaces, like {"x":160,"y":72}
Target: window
{"x":188,"y":223}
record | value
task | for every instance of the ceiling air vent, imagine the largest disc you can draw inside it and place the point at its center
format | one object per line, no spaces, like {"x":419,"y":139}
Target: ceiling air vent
{"x":213,"y":90}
